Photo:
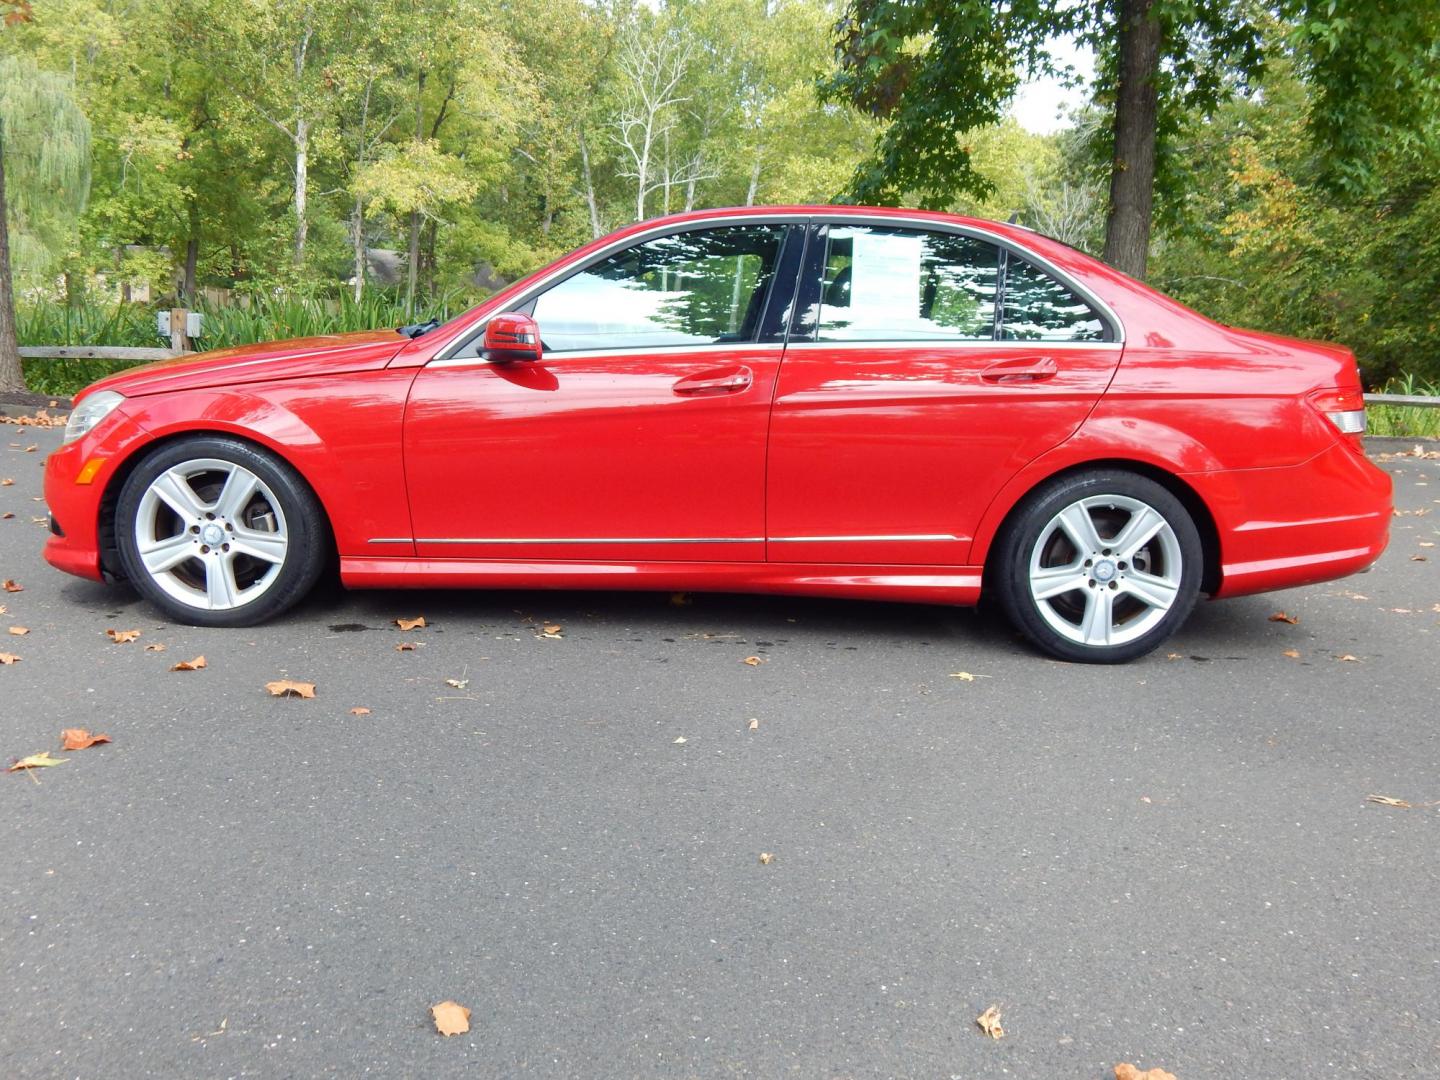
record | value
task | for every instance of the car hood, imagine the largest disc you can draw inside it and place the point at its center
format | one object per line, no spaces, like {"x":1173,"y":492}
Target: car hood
{"x":327,"y":354}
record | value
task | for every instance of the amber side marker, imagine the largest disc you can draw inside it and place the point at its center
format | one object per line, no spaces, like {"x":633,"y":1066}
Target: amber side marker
{"x":89,"y":469}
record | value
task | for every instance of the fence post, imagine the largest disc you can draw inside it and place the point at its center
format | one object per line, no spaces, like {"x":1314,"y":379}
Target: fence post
{"x":178,"y":340}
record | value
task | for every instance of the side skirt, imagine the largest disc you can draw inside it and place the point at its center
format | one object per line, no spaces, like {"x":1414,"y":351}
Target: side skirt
{"x":914,"y":584}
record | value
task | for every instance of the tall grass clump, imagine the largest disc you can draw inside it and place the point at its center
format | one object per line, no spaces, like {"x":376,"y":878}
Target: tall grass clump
{"x":1406,"y":421}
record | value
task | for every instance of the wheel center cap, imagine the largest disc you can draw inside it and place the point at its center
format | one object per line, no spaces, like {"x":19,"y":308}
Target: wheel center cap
{"x":1104,"y":570}
{"x":213,"y":535}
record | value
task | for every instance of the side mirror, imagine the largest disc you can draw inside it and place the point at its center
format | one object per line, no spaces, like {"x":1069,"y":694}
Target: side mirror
{"x":511,"y":337}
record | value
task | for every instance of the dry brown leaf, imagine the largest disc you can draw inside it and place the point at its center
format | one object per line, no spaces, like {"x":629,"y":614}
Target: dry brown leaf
{"x":284,"y":687}
{"x":1174,"y":656}
{"x":766,"y":858}
{"x":1349,"y":658}
{"x":32,"y":448}
{"x":77,"y":738}
{"x":19,"y":631}
{"x":1293,"y":654}
{"x":359,"y":710}
{"x":157,"y":647}
{"x":754,"y":725}
{"x":407,"y":646}
{"x":1418,"y":558}
{"x":6,"y":516}
{"x":1281,"y":616}
{"x":122,"y":637}
{"x":963,"y":676}
{"x":753,"y":661}
{"x":681,"y":599}
{"x":190,"y":665}
{"x":11,"y":586}
{"x":989,"y":1022}
{"x":36,"y":761}
{"x":1386,"y":800}
{"x":416,"y":623}
{"x":552,"y":631}
{"x":1427,"y":543}
{"x":451,"y":1018}
{"x":8,"y":658}
{"x":1126,"y":1071}
{"x":7,"y":482}
{"x":458,"y":684}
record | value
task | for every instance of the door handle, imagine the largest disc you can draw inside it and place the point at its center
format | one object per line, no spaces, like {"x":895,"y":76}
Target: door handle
{"x":1021,"y":369}
{"x":729,"y":381}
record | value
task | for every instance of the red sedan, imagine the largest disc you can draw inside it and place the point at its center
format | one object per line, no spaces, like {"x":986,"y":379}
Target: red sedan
{"x":824,"y":400}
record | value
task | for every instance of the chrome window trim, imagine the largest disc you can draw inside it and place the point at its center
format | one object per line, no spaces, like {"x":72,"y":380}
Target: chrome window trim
{"x":981,"y":344}
{"x":594,"y":354}
{"x":860,"y":218}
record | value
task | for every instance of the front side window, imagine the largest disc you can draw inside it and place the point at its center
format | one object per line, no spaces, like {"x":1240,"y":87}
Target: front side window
{"x":692,"y":288}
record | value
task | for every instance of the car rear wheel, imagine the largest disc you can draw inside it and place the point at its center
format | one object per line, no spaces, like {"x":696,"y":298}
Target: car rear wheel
{"x":215,"y":532}
{"x":1100,"y":566}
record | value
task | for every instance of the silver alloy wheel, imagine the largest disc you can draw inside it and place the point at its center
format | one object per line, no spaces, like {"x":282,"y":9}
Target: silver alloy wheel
{"x":1105,"y":570}
{"x":211,"y":534}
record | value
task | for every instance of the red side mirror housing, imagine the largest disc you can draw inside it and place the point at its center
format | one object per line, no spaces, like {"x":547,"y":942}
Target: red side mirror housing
{"x":511,"y":337}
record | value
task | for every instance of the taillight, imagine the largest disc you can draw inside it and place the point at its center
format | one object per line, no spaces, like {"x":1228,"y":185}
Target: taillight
{"x":1345,"y":409}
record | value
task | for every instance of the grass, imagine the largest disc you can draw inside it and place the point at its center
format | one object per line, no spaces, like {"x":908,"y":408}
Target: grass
{"x":265,"y":318}
{"x":1406,"y":421}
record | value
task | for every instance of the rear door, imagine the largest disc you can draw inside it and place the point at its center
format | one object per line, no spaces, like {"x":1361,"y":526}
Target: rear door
{"x":925,"y":367}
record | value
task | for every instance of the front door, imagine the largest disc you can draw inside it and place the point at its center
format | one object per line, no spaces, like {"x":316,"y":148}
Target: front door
{"x":640,"y":435}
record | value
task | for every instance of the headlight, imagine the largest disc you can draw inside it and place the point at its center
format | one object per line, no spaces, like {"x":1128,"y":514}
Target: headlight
{"x":90,"y":412}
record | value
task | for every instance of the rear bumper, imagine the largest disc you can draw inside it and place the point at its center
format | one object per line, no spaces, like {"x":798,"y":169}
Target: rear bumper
{"x":1324,"y":519}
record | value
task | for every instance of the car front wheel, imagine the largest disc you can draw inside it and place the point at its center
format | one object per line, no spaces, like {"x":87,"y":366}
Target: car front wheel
{"x":216,"y":532}
{"x":1099,"y":566}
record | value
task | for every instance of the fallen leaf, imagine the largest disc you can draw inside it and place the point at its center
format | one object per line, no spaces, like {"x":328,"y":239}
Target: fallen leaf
{"x":681,"y":741}
{"x":7,"y":482}
{"x":282,"y":687}
{"x":551,"y":631}
{"x":157,"y":647}
{"x":6,"y":516}
{"x":1386,"y":800}
{"x":1418,"y":558}
{"x":35,"y":761}
{"x":753,"y":661}
{"x":11,"y":586}
{"x":1349,"y":658}
{"x":1402,"y":611}
{"x":963,"y":676}
{"x":451,"y":1018}
{"x":754,"y":725}
{"x":989,"y":1022}
{"x":32,"y":448}
{"x":8,"y":658}
{"x":1427,"y":543}
{"x":681,"y":599}
{"x":1126,"y":1071}
{"x":1281,"y":616}
{"x":19,"y":631}
{"x":458,"y":684}
{"x":1174,"y":656}
{"x":77,"y":738}
{"x":359,"y":710}
{"x":1293,"y":654}
{"x":766,"y":858}
{"x":122,"y":637}
{"x":416,"y":623}
{"x":190,"y":665}
{"x":407,"y":646}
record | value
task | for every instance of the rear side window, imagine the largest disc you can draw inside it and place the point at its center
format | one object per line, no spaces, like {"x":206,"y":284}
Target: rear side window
{"x":892,"y":284}
{"x":1037,"y":307}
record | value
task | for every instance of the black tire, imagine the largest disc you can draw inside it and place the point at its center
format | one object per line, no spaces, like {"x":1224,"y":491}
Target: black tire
{"x":295,"y":554}
{"x":1077,"y":623}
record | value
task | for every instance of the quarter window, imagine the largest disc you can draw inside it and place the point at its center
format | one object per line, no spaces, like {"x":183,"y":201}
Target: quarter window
{"x":692,"y":288}
{"x":1039,"y":308}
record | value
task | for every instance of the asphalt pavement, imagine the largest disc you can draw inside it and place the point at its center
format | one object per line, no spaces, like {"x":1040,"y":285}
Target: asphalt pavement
{"x":1172,"y":863}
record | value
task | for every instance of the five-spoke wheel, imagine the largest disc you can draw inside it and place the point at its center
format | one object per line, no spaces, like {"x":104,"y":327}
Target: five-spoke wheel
{"x":1099,"y":566}
{"x":219,"y":533}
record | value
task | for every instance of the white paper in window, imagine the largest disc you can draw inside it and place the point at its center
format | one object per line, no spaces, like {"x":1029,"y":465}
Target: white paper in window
{"x":885,"y":281}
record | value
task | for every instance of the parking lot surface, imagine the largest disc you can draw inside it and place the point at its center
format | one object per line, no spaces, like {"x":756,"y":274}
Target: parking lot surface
{"x":1173,"y":863}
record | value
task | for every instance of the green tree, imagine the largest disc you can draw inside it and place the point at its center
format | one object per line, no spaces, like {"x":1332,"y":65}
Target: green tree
{"x":45,"y":151}
{"x":938,"y":69}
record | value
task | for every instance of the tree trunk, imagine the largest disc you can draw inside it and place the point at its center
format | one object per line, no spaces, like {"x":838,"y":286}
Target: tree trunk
{"x":192,"y":256}
{"x":11,"y":376}
{"x":595,"y":233}
{"x":357,"y":236}
{"x":414,"y":271}
{"x":1132,"y":175}
{"x":754,"y":177}
{"x":302,"y":187}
